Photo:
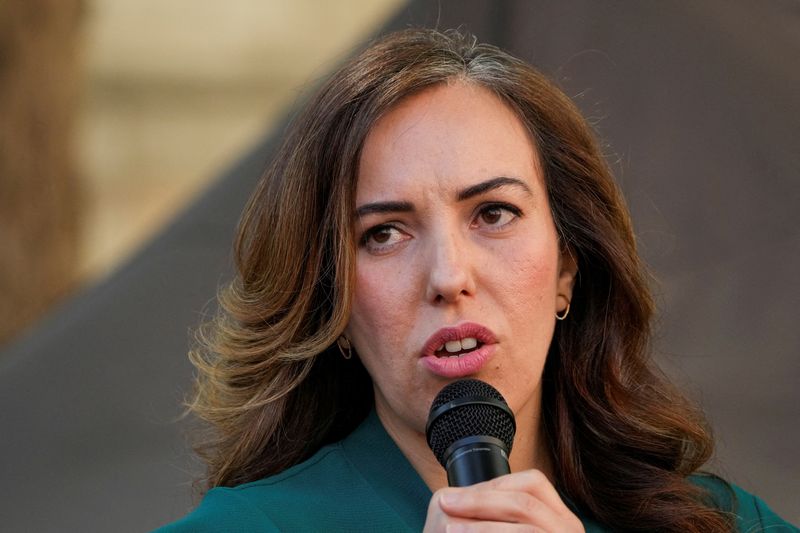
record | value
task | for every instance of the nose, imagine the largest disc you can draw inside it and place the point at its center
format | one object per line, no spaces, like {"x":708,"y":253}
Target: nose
{"x":450,"y":270}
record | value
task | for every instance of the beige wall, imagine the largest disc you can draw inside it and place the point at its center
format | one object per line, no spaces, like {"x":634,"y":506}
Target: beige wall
{"x":177,"y":89}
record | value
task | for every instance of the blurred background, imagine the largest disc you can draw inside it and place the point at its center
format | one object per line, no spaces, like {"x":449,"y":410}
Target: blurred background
{"x":131,"y":134}
{"x":116,"y":113}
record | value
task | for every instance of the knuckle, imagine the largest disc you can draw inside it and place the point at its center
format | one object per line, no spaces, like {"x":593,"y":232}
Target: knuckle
{"x":537,"y":477}
{"x":495,"y":483}
{"x":525,"y":505}
{"x":440,"y":493}
{"x":573,"y":523}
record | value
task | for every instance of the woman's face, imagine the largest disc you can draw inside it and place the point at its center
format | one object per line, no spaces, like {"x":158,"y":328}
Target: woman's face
{"x":458,"y":270}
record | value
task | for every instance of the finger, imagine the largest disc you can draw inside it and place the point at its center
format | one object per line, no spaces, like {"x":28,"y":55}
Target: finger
{"x":463,"y":526}
{"x":534,"y":482}
{"x":518,"y":507}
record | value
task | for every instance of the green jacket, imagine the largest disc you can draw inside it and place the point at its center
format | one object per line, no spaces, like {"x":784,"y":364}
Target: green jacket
{"x":365,"y":483}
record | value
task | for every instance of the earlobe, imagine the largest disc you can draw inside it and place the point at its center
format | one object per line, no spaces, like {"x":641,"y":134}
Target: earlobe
{"x":566,"y":281}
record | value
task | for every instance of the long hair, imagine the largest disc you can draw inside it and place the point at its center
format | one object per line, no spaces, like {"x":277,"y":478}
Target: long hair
{"x":272,"y":388}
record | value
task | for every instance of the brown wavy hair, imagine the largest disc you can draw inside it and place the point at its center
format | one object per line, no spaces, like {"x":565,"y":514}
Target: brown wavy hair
{"x":272,"y":387}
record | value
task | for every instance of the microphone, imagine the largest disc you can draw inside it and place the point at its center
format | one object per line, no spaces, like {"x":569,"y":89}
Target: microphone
{"x":471,"y":430}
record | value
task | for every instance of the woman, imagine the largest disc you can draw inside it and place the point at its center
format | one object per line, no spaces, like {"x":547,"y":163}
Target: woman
{"x":440,"y":210}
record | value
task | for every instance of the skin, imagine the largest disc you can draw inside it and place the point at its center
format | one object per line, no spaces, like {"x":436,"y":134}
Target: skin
{"x":430,"y":258}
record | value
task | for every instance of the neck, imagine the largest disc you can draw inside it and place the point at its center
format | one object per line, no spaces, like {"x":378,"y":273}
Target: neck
{"x":530,"y":447}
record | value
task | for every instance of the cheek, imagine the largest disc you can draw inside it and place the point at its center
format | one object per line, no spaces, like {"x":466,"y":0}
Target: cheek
{"x":530,"y":276}
{"x":381,"y":315}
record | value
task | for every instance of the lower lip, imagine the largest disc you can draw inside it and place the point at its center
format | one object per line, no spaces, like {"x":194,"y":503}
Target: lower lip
{"x":459,"y":367}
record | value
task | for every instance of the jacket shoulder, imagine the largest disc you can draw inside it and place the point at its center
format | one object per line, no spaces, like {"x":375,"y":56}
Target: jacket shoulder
{"x":223,"y":510}
{"x":751,"y":512}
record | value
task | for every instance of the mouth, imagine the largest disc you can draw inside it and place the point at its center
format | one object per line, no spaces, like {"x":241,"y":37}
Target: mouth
{"x":458,"y":347}
{"x":458,"y":340}
{"x":458,"y":351}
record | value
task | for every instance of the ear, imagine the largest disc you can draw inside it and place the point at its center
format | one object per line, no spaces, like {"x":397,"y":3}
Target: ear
{"x":568,"y":270}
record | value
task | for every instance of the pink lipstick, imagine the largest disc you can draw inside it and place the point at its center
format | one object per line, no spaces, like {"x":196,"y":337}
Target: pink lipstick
{"x":445,"y":355}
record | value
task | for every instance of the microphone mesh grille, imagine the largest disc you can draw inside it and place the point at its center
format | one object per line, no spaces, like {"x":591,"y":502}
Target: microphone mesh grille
{"x":469,"y":419}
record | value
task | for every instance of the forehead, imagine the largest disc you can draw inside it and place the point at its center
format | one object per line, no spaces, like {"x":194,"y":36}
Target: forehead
{"x":456,"y":133}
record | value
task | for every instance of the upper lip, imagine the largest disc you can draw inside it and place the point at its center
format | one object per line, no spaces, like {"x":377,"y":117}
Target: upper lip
{"x":462,"y":331}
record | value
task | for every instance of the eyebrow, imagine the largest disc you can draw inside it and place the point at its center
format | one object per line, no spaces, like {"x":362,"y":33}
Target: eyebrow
{"x":384,"y":207}
{"x":464,"y":194}
{"x":490,"y":185}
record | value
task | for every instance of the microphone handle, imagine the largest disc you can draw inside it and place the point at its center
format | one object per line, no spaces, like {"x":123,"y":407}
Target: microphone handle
{"x":475,"y":459}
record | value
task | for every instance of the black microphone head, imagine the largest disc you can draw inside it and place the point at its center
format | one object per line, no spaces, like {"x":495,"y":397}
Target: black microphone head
{"x":466,"y":408}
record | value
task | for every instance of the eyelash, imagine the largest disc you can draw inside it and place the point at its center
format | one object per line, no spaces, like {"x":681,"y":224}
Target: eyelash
{"x":364,"y":241}
{"x":484,"y":208}
{"x":371,"y":232}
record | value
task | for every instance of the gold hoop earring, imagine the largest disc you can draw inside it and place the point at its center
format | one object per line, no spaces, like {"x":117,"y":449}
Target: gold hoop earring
{"x":564,"y":314}
{"x":344,"y":347}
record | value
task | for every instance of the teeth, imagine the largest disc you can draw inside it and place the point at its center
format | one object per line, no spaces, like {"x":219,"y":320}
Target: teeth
{"x":456,"y":346}
{"x":453,"y":346}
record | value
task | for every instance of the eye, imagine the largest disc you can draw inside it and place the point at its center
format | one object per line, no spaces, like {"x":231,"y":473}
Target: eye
{"x":382,"y":238}
{"x":496,"y":216}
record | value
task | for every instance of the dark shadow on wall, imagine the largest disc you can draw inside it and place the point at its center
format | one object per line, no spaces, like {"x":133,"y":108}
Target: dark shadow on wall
{"x":696,"y":103}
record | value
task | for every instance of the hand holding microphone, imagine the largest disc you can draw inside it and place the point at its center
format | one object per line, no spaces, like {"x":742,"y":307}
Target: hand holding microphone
{"x":471,"y":431}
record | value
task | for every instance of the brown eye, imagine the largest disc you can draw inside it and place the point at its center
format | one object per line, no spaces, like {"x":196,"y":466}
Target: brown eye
{"x":382,"y":236}
{"x":496,"y":216}
{"x":492,"y":215}
{"x":383,"y":239}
